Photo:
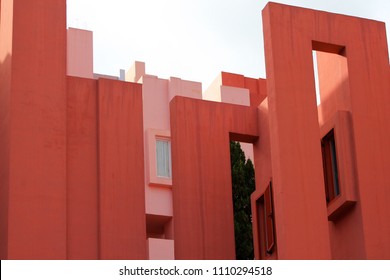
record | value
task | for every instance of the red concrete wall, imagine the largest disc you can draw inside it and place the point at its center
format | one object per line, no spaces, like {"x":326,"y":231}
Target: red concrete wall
{"x":300,"y":208}
{"x":263,"y":168}
{"x":122,"y":220}
{"x":106,"y":200}
{"x":202,"y":191}
{"x":82,"y":169}
{"x":72,"y":180}
{"x":34,"y":129}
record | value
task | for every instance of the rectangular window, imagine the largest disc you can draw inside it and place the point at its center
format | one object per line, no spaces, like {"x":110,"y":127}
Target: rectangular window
{"x":163,"y":158}
{"x":329,"y":158}
{"x":265,"y":221}
{"x":339,"y":164}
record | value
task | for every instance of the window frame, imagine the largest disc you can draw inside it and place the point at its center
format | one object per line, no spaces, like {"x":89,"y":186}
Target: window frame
{"x":330,"y":166}
{"x":263,"y":220}
{"x":167,"y":140}
{"x":341,"y":124}
{"x":152,"y":135}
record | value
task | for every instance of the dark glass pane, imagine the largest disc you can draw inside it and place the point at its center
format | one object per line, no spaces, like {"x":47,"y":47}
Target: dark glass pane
{"x":334,"y":167}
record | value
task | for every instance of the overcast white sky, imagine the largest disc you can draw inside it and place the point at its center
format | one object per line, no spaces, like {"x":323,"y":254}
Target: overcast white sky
{"x":191,"y":39}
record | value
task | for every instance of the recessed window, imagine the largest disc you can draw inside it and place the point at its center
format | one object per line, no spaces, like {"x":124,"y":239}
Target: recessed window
{"x":163,"y":158}
{"x":329,"y":158}
{"x":339,"y":164}
{"x":265,"y":221}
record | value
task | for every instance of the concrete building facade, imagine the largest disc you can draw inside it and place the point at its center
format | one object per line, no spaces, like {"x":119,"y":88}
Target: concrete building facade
{"x":93,"y":167}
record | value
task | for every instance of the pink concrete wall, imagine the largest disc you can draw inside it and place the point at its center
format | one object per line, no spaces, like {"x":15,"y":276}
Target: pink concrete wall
{"x":155,"y":116}
{"x":155,"y":102}
{"x":79,"y":53}
{"x":136,"y":71}
{"x":213,"y":92}
{"x":233,"y":95}
{"x":160,"y":249}
{"x":159,"y":200}
{"x":179,"y":87}
{"x":156,"y":96}
{"x":233,"y":92}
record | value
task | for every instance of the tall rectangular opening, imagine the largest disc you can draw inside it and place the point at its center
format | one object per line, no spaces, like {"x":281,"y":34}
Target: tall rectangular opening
{"x":243,"y":185}
{"x":332,"y":94}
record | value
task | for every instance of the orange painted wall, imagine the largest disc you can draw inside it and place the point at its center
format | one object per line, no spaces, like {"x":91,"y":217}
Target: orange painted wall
{"x":79,"y":53}
{"x":155,"y":100}
{"x":202,"y":191}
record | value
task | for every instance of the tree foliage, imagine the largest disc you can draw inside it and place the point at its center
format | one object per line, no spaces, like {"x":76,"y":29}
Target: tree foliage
{"x":243,"y":183}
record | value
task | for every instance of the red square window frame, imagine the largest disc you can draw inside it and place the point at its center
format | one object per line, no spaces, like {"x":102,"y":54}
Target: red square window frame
{"x":259,"y":246}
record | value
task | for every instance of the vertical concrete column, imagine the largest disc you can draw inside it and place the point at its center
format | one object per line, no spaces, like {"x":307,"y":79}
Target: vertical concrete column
{"x":290,"y":35}
{"x":122,"y":219}
{"x":262,"y":157}
{"x":300,"y":208}
{"x":369,"y":84}
{"x":33,"y":129}
{"x":82,"y":169}
{"x":201,"y":179}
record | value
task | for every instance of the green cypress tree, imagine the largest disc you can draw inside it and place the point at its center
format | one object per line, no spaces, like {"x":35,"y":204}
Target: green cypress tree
{"x":243,"y":183}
